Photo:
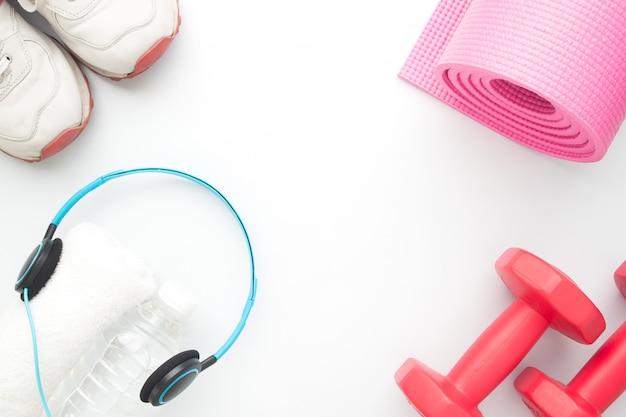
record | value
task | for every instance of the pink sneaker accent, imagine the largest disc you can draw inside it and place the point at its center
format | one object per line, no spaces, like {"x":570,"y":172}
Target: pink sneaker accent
{"x":152,"y":55}
{"x":65,"y":138}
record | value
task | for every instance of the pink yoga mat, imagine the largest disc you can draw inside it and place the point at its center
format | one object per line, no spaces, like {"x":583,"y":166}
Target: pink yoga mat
{"x":549,"y":74}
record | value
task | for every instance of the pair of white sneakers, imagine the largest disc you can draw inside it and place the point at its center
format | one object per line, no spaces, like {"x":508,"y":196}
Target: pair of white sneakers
{"x":45,"y":100}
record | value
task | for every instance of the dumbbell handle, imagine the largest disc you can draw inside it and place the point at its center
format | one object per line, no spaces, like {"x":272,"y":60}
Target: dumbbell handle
{"x":603,"y":378}
{"x":497,"y":351}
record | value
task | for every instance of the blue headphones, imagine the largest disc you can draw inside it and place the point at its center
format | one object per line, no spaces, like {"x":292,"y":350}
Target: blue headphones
{"x":178,"y":372}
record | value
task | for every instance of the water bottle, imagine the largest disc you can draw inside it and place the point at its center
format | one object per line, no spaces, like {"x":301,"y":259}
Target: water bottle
{"x":107,"y":380}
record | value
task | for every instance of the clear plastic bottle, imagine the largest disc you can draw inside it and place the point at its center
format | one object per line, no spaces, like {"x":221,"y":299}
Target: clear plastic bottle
{"x":107,"y":380}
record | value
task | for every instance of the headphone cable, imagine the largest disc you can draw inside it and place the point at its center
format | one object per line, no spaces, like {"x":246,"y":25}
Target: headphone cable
{"x":33,"y":334}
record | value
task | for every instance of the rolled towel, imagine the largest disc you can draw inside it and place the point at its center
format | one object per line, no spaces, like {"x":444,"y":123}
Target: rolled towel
{"x":96,"y":281}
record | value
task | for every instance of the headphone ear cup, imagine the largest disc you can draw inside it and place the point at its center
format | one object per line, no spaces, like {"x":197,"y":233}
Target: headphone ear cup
{"x":171,"y":378}
{"x":39,"y":267}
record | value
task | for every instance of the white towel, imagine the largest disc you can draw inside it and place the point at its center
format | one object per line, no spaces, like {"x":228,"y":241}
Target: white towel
{"x":96,"y":281}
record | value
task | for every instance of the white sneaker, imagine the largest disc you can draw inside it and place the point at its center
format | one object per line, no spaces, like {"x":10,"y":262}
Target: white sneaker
{"x":115,"y":38}
{"x":44,"y":97}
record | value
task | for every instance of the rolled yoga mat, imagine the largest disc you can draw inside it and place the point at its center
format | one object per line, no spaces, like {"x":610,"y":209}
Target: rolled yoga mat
{"x":96,"y":281}
{"x":549,"y":74}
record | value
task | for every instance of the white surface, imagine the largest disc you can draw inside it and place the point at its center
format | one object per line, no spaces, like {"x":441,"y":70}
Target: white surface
{"x":376,"y":212}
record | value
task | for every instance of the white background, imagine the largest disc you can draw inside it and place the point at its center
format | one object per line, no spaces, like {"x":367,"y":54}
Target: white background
{"x":376,"y":212}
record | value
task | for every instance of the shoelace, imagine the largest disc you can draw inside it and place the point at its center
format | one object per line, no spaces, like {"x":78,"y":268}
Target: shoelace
{"x":5,"y":61}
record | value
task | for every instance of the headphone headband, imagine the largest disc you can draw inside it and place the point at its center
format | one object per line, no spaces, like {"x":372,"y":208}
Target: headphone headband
{"x":123,"y":173}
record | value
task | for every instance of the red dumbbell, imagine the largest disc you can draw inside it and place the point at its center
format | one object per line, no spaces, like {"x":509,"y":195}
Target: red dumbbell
{"x":546,"y":297}
{"x":620,"y":278}
{"x":598,"y":384}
